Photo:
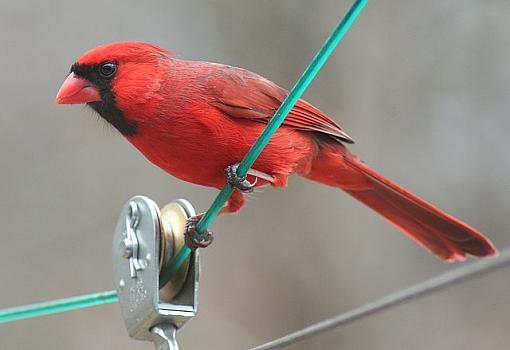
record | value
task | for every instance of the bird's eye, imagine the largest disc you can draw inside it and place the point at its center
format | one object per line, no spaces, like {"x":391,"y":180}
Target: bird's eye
{"x":107,"y":70}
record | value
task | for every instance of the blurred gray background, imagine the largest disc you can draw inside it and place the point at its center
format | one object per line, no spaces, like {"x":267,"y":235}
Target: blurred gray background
{"x":421,"y":85}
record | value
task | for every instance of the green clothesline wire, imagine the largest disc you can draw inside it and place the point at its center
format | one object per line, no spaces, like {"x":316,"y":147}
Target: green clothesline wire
{"x":57,"y":306}
{"x":295,"y":94}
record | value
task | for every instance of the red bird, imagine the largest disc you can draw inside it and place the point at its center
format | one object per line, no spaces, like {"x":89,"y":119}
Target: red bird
{"x":195,"y":119}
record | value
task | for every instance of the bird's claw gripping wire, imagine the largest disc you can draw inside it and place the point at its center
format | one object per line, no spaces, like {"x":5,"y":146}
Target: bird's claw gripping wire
{"x":240,"y":183}
{"x":192,"y":238}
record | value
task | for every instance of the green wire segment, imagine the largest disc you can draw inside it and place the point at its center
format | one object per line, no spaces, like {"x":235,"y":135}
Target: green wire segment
{"x":57,"y":306}
{"x":295,"y":94}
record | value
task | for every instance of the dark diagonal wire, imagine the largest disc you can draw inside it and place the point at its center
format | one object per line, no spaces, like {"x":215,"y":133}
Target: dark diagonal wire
{"x":445,"y":280}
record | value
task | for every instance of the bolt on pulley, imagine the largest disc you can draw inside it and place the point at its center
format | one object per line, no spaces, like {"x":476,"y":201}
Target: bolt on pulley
{"x":146,"y":238}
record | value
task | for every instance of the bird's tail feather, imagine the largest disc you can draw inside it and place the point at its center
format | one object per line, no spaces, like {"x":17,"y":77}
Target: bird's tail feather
{"x":440,"y":233}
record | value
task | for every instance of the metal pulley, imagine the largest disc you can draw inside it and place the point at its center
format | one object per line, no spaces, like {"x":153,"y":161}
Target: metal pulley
{"x":146,"y":238}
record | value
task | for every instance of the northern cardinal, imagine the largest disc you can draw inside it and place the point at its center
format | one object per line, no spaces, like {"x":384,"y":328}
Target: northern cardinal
{"x":194,"y":119}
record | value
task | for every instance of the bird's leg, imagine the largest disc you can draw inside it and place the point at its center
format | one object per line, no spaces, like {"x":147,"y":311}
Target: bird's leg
{"x":234,"y":204}
{"x":195,"y":240}
{"x":239,"y":183}
{"x":261,"y":175}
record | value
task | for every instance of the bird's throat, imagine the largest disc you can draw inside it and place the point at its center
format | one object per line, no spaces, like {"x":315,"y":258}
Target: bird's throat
{"x":108,"y":110}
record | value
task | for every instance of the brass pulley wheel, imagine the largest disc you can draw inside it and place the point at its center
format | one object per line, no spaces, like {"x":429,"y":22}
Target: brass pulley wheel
{"x":173,"y":225}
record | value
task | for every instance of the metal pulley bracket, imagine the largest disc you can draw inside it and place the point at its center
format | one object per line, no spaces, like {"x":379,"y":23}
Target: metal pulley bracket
{"x":145,"y":240}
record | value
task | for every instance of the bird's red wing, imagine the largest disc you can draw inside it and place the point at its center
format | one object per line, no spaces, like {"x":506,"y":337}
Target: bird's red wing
{"x":243,"y":94}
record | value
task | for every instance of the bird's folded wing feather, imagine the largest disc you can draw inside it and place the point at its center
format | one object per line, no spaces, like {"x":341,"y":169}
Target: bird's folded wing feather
{"x":243,"y":94}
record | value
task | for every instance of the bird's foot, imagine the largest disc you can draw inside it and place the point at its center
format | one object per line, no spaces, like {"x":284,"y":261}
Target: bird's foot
{"x":192,"y":238}
{"x":240,"y":183}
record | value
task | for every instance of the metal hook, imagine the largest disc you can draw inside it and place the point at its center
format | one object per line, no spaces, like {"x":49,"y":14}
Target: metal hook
{"x":164,"y":337}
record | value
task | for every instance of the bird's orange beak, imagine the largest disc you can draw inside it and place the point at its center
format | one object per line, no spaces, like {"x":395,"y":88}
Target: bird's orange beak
{"x":75,"y":90}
